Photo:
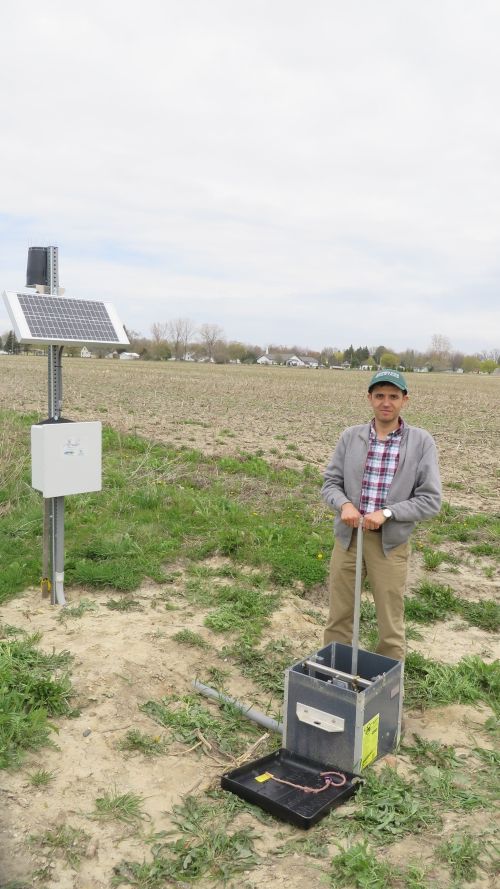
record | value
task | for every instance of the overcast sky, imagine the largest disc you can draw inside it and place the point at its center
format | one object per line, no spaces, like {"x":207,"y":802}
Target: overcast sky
{"x":314,"y":172}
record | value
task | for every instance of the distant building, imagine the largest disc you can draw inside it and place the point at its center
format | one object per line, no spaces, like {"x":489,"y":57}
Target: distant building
{"x":85,"y":353}
{"x":129,"y":356}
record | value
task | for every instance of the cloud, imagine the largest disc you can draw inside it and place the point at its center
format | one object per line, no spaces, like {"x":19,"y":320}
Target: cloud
{"x":284,"y":168}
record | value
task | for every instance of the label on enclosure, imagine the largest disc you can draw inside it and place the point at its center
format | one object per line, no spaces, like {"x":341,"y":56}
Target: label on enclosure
{"x":369,"y":749}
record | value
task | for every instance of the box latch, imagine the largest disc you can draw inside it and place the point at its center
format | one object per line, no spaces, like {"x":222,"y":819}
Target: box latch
{"x":327,"y":722}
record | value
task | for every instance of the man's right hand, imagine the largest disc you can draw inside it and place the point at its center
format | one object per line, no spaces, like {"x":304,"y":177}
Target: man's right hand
{"x":350,"y":515}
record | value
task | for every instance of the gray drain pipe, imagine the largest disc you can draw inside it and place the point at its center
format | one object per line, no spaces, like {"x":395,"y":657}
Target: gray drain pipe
{"x":254,"y":715}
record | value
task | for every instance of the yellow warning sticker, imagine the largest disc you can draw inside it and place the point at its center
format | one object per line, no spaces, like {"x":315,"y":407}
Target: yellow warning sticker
{"x":369,"y":749}
{"x":264,"y":777}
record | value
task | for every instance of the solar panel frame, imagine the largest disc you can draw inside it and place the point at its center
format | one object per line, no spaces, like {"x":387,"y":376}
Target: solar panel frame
{"x":50,"y":319}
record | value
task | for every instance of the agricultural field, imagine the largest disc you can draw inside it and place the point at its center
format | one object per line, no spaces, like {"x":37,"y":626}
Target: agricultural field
{"x":205,"y":557}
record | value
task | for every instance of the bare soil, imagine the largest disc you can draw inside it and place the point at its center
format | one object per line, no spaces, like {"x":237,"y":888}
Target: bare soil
{"x":123,"y":659}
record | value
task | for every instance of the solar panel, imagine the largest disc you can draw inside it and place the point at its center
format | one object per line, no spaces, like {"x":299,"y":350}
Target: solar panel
{"x":55,"y":319}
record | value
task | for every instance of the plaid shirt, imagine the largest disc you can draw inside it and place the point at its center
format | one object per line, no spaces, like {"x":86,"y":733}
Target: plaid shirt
{"x":381,"y":464}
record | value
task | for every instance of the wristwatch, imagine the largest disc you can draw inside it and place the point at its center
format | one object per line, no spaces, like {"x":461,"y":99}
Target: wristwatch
{"x":387,"y":512}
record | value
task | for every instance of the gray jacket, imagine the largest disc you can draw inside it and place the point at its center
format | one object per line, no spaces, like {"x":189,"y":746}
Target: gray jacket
{"x":415,"y":491}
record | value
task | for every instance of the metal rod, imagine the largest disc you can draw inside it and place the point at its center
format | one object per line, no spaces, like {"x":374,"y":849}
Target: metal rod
{"x":254,"y":715}
{"x":332,"y":671}
{"x":55,"y":509}
{"x":357,"y":598}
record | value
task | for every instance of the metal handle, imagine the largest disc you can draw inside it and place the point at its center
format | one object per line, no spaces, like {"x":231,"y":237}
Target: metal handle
{"x":357,"y":599}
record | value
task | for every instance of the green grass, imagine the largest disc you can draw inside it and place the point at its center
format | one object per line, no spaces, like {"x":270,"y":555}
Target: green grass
{"x":358,"y":867}
{"x":388,"y":807}
{"x":206,"y":849}
{"x":66,"y":842}
{"x":75,"y":612}
{"x":480,"y":531}
{"x":144,"y":518}
{"x":433,"y":684}
{"x":41,"y":778}
{"x":435,"y":602}
{"x":140,"y":742}
{"x":113,"y":806}
{"x":461,"y":853}
{"x":126,"y":603}
{"x":188,"y":637}
{"x":193,"y":723}
{"x":34,"y":686}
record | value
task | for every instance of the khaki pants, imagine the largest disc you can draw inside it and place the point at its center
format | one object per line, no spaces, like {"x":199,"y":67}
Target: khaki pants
{"x":387,"y":577}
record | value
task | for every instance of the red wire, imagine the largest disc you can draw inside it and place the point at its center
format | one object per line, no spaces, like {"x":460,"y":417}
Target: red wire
{"x":328,"y":782}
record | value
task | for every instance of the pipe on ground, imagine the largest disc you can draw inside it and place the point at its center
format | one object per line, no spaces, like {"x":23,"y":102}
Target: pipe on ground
{"x":254,"y":715}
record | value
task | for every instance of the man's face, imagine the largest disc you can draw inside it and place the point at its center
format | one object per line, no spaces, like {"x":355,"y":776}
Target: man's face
{"x":386,"y":401}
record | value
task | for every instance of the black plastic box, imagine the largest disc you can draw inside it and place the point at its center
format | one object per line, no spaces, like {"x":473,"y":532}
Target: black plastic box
{"x":296,"y":806}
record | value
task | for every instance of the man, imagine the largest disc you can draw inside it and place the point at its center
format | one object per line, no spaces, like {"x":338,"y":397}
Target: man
{"x":385,"y":476}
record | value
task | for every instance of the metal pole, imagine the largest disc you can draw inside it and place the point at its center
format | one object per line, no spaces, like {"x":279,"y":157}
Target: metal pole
{"x":54,"y":510}
{"x":357,"y":599}
{"x":249,"y":712}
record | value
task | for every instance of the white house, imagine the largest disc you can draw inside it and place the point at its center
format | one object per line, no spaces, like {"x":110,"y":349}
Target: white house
{"x":129,"y":356}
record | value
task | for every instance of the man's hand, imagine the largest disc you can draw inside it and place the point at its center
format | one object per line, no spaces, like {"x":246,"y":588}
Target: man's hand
{"x":374,"y":520}
{"x":350,"y":515}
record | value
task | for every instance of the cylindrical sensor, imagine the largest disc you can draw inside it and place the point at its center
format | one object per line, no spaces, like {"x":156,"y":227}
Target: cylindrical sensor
{"x":36,"y":271}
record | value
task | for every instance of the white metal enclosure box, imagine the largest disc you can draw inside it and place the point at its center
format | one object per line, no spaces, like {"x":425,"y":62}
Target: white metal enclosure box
{"x":66,"y":458}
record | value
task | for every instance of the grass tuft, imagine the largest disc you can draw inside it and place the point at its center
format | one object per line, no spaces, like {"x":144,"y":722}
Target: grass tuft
{"x":112,"y":806}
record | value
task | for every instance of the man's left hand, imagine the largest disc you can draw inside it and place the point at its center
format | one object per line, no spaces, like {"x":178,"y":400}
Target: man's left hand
{"x":374,"y":520}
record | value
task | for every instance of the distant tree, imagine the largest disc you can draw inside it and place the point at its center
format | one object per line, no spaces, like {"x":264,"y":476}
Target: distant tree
{"x":471,"y":364}
{"x":220,"y":352}
{"x":440,"y":352}
{"x":456,"y":360}
{"x":389,"y":359}
{"x":210,"y":335}
{"x":488,"y":366}
{"x":236,"y":350}
{"x":408,"y":359}
{"x":349,"y":352}
{"x":180,"y":332}
{"x":361,"y":354}
{"x":160,"y":349}
{"x":251,"y":355}
{"x":1,"y":342}
{"x":378,"y":351}
{"x":327,"y":355}
{"x":11,"y":343}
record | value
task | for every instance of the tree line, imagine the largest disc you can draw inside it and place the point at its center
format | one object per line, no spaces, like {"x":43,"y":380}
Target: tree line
{"x":182,"y":340}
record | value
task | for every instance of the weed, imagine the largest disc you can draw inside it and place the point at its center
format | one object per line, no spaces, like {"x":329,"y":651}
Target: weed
{"x":126,"y":603}
{"x":430,"y":683}
{"x":265,"y":666}
{"x":70,"y":842}
{"x":432,"y":559}
{"x":388,"y":807}
{"x":206,"y":848}
{"x":462,"y":854}
{"x":430,"y":752}
{"x":188,"y":637}
{"x":138,"y":742}
{"x":358,"y":866}
{"x":433,"y":601}
{"x":194,"y":724}
{"x":71,"y":612}
{"x":41,"y":778}
{"x":35,"y":686}
{"x":112,"y":806}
